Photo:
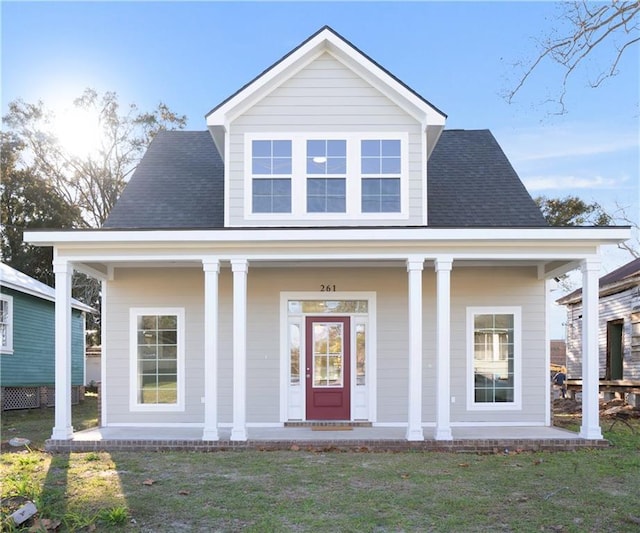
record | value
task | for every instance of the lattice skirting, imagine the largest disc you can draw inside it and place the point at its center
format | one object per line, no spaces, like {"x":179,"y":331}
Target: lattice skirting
{"x":33,"y":397}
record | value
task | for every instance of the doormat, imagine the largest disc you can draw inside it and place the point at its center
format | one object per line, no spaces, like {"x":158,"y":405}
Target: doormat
{"x":331,"y":428}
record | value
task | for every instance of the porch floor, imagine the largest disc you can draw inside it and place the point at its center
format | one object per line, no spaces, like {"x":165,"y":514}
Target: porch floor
{"x":465,"y":439}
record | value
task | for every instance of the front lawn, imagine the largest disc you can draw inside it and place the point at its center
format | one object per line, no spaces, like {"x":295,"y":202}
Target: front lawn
{"x":322,"y":491}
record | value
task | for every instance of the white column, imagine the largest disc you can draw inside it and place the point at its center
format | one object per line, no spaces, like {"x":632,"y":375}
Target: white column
{"x":239,"y":429}
{"x":62,"y":429}
{"x":590,"y":353}
{"x":211,"y":269}
{"x":414,"y":427}
{"x":443,"y":348}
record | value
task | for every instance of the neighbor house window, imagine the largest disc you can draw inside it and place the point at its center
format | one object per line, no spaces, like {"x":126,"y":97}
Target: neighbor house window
{"x":326,"y":158}
{"x":271,"y":171}
{"x":494,"y":346}
{"x":6,"y":323}
{"x":380,"y":166}
{"x":157,"y":358}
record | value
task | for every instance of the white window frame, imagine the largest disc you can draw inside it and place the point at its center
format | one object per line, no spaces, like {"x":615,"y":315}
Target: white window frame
{"x":271,"y":176}
{"x":7,"y":348}
{"x":353,"y":177}
{"x":472,"y":405}
{"x":134,"y":313}
{"x":363,"y":397}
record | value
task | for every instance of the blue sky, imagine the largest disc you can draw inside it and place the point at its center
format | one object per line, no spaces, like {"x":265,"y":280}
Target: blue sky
{"x":458,"y":55}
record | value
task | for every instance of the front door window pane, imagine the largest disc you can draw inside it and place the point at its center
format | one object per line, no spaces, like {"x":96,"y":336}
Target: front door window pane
{"x":328,"y":355}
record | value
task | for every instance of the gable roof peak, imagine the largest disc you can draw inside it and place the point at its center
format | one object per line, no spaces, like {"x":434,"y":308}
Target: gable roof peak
{"x":325,"y":39}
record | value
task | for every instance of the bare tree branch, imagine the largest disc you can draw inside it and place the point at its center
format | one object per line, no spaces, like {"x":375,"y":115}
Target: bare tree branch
{"x":589,"y":26}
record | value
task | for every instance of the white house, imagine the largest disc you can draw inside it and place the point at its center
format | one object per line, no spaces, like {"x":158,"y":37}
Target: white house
{"x":327,"y":250}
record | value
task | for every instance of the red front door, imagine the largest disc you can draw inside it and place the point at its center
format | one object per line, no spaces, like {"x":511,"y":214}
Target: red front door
{"x":328,"y":381}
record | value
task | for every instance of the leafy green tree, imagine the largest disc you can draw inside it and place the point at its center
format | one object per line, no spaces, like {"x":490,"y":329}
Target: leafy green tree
{"x":92,"y":180}
{"x":572,"y":211}
{"x":27,"y":202}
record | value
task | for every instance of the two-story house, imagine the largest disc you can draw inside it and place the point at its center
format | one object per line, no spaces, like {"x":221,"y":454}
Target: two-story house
{"x":326,"y":251}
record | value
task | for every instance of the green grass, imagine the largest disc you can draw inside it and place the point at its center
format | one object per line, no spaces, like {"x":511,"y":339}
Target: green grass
{"x":306,"y":491}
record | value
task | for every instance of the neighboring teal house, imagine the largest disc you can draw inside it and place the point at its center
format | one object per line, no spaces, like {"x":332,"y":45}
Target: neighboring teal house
{"x":27,"y":334}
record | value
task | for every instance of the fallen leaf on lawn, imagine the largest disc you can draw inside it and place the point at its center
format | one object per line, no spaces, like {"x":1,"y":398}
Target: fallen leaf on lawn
{"x":148,"y":482}
{"x":184,"y":492}
{"x":404,"y":476}
{"x":464,"y":465}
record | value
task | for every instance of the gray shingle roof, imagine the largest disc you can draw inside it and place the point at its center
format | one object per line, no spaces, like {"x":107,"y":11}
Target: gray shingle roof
{"x":179,"y":185}
{"x":472,"y":184}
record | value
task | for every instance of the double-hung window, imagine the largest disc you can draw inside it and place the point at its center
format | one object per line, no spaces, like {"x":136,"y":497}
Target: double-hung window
{"x":380,"y":165}
{"x":494,"y":357}
{"x":344,"y":175}
{"x":6,"y":324}
{"x":157,"y":359}
{"x":326,"y":176}
{"x":271,"y":171}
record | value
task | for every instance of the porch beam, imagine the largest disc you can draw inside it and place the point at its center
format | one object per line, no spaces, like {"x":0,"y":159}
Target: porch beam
{"x":62,"y":429}
{"x":590,"y":428}
{"x":443,"y":266}
{"x":211,"y":269}
{"x":239,"y":267}
{"x":414,"y":427}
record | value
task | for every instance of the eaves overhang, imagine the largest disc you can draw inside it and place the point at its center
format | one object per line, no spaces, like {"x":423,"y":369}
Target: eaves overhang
{"x":591,"y":236}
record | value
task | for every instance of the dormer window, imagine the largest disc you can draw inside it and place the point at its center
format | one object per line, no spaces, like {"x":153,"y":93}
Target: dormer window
{"x":380,"y":163}
{"x":327,"y":158}
{"x":333,"y":176}
{"x":271,"y":171}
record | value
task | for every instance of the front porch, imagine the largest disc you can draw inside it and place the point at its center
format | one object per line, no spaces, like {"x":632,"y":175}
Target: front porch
{"x":477,"y":439}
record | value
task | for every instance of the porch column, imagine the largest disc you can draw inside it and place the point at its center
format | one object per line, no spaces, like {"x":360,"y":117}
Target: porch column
{"x":590,"y":428}
{"x":414,"y":427}
{"x":443,"y":348}
{"x":62,"y":429}
{"x":239,"y":429}
{"x":211,"y":269}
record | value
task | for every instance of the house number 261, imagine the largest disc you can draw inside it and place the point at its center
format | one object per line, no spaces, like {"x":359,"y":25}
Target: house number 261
{"x":327,"y":288}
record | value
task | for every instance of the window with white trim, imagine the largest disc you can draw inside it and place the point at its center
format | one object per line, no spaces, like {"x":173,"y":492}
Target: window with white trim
{"x":271,"y":171}
{"x":6,"y":323}
{"x":380,"y":165}
{"x":331,"y":175}
{"x":494,"y":357}
{"x":157,"y":358}
{"x":326,"y":158}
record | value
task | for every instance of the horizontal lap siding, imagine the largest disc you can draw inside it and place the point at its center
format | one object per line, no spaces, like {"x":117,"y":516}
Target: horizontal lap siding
{"x":325,"y":96}
{"x":614,"y":307}
{"x":33,"y":359}
{"x":490,"y":287}
{"x":159,"y":287}
{"x":154,"y":287}
{"x":263,"y":343}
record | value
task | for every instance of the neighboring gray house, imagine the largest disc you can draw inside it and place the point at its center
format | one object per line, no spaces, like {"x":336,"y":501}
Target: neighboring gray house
{"x":27,"y":335}
{"x":619,"y":325}
{"x":326,"y":250}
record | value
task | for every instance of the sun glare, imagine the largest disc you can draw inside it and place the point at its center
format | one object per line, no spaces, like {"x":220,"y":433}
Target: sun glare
{"x":78,"y":131}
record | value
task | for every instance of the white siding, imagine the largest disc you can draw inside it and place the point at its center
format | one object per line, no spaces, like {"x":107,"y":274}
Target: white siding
{"x":613,"y":307}
{"x":183,"y":287}
{"x":324,"y":96}
{"x":488,"y":287}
